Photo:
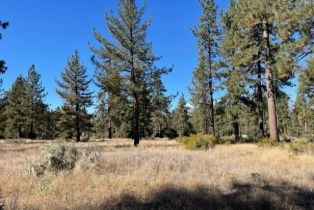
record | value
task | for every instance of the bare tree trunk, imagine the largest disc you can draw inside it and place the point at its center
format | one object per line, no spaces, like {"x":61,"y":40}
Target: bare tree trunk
{"x":272,"y":114}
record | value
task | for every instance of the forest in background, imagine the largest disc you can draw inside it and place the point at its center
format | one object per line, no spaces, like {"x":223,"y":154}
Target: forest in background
{"x":252,"y":51}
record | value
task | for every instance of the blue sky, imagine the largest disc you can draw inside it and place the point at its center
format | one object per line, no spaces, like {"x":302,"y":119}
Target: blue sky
{"x":45,"y":33}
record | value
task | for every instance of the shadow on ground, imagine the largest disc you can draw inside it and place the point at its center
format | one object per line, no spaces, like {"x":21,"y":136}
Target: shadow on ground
{"x":242,"y":197}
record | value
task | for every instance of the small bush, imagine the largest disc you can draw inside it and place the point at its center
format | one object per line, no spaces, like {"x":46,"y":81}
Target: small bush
{"x":198,"y":142}
{"x":55,"y":158}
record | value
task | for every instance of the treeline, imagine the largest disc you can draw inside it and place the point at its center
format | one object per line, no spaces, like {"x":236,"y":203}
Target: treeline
{"x":251,"y":52}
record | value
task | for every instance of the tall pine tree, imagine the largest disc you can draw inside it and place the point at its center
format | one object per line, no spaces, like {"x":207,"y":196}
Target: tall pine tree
{"x":35,"y":103}
{"x":203,"y":91}
{"x":17,"y":110}
{"x":304,"y":105}
{"x":269,"y":39}
{"x":181,"y":118}
{"x":74,"y":90}
{"x":132,"y":58}
{"x":160,"y":106}
{"x":3,"y":68}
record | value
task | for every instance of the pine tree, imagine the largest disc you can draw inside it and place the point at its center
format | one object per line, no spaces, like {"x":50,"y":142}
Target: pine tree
{"x":36,"y":106}
{"x":3,"y":68}
{"x":207,"y":33}
{"x":304,"y":104}
{"x":181,"y":118}
{"x":111,"y":105}
{"x":47,"y":129}
{"x":283,"y":111}
{"x":241,"y":69}
{"x":101,"y":122}
{"x":17,"y":110}
{"x":306,"y":81}
{"x":73,"y":89}
{"x":3,"y":105}
{"x":132,"y":58}
{"x":268,"y":32}
{"x":160,"y":106}
{"x":201,"y":97}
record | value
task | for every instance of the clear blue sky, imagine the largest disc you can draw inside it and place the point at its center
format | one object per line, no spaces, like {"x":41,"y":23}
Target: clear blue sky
{"x":46,"y":32}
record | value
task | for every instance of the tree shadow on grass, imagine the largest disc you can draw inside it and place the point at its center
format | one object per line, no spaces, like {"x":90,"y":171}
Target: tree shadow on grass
{"x":243,"y":196}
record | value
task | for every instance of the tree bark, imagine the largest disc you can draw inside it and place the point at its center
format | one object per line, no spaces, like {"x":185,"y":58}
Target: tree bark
{"x":78,"y":132}
{"x":136,"y":117}
{"x":211,"y":93}
{"x":110,"y":124}
{"x":272,"y":114}
{"x":260,"y":101}
{"x":236,"y":131}
{"x":136,"y":121}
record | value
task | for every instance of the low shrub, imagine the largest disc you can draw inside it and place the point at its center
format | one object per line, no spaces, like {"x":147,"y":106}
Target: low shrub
{"x":55,"y":158}
{"x":198,"y":142}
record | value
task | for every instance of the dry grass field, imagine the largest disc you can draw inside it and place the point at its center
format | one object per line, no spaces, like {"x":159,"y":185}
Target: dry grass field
{"x":160,"y":175}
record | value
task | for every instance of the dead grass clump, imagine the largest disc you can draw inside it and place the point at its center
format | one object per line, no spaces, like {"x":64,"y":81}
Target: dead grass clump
{"x":55,"y":158}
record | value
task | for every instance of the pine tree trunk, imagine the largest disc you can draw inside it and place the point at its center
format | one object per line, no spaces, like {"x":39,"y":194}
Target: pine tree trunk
{"x":260,"y":101}
{"x":31,"y":131}
{"x":136,"y":117}
{"x":236,"y":131}
{"x":20,"y":132}
{"x":211,"y":94}
{"x":206,"y":120}
{"x":78,"y":132}
{"x":110,"y":132}
{"x":272,"y":115}
{"x":110,"y":125}
{"x":136,"y":121}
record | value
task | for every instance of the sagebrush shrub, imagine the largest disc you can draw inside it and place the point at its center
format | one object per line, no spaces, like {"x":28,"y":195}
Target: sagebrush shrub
{"x":55,"y":158}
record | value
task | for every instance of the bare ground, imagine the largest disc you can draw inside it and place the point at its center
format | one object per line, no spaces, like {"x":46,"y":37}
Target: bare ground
{"x":160,"y":175}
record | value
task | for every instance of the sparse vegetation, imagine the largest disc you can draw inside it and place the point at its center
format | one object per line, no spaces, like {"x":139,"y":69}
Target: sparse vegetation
{"x":159,"y":175}
{"x":234,"y":142}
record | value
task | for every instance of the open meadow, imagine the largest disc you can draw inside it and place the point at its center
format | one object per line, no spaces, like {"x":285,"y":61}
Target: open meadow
{"x":159,"y":175}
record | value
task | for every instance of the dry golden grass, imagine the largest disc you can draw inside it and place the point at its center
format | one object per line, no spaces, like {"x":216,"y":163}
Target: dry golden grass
{"x":161,"y":175}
